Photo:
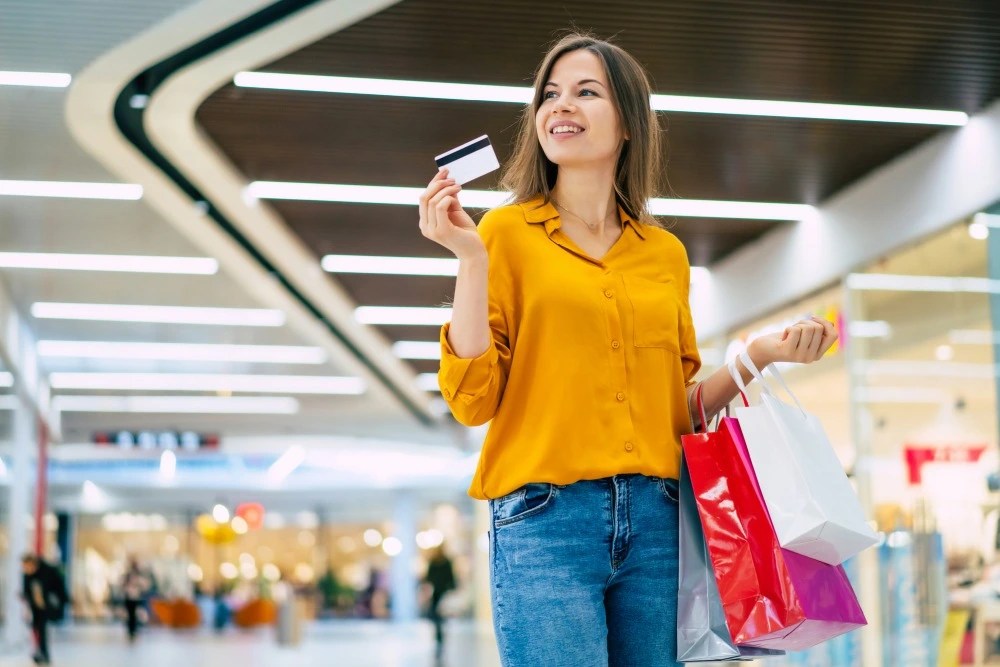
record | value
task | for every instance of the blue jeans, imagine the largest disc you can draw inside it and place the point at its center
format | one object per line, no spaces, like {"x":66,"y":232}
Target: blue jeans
{"x":585,"y":575}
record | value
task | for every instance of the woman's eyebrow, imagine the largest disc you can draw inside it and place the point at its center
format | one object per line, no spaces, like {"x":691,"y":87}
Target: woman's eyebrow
{"x":579,"y":83}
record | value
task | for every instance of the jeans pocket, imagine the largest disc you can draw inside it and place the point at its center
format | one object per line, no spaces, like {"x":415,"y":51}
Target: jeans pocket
{"x":669,"y":488}
{"x":520,"y":504}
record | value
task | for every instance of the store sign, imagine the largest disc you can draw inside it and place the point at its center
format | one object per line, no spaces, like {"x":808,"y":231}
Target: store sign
{"x":917,"y":456}
{"x":186,"y":440}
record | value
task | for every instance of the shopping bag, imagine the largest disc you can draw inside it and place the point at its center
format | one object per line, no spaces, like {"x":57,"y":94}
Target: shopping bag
{"x":772,"y":598}
{"x":702,"y":633}
{"x":812,"y":504}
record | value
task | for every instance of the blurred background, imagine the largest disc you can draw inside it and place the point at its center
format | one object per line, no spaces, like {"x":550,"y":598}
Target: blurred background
{"x":219,"y":418}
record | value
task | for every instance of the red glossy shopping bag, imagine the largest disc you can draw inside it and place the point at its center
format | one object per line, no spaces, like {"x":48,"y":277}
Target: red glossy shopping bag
{"x":772,"y":598}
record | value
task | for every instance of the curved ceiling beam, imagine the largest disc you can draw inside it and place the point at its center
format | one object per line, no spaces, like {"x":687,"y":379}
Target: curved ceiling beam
{"x":178,"y":167}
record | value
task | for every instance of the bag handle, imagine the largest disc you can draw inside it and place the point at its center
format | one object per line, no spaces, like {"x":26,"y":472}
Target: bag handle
{"x":738,"y":378}
{"x":748,"y":362}
{"x":699,"y":401}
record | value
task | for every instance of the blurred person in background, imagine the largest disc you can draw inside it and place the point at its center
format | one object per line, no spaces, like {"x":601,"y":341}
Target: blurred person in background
{"x":441,"y":579}
{"x":44,"y":592}
{"x":135,"y":584}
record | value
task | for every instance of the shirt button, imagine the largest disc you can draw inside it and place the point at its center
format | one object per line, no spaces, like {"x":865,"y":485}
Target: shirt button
{"x":628,"y":446}
{"x":620,"y":396}
{"x":608,"y":293}
{"x":615,"y":344}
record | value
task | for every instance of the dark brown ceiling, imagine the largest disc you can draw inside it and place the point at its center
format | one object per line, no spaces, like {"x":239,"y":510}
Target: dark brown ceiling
{"x":942,"y":55}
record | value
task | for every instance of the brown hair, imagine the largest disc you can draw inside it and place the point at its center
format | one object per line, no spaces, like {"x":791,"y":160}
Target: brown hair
{"x":639,"y":171}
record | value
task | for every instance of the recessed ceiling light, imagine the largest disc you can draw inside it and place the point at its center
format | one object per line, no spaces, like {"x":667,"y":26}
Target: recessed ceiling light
{"x":36,"y":79}
{"x":126,"y":263}
{"x":412,"y":349}
{"x":412,"y":266}
{"x":523,"y":95}
{"x":237,"y":317}
{"x":258,"y":354}
{"x":283,"y":384}
{"x":71,"y":190}
{"x":401,"y":315}
{"x":271,"y":405}
{"x":481,"y":199}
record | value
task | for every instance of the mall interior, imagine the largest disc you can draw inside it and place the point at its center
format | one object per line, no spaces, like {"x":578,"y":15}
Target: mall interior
{"x":219,"y":322}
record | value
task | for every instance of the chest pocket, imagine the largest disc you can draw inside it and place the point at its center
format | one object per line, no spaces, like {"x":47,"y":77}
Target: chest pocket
{"x":655,"y":313}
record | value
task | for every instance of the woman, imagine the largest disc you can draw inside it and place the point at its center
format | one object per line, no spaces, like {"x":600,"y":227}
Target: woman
{"x":571,"y":330}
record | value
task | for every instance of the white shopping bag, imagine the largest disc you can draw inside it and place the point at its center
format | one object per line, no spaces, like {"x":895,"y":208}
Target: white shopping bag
{"x":812,"y":504}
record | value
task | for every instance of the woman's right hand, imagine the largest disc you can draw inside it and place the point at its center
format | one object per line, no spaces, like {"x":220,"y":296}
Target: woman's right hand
{"x":443,"y":220}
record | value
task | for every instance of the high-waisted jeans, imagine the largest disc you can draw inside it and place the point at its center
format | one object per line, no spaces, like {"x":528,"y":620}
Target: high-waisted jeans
{"x":585,"y":575}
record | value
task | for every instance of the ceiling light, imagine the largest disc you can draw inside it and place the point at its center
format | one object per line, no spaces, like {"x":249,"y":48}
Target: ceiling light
{"x":284,"y":384}
{"x":428,"y":382}
{"x":944,"y":353}
{"x":237,"y":317}
{"x":979,"y":231}
{"x":259,"y":354}
{"x":523,"y":95}
{"x":902,"y":283}
{"x":262,"y":405}
{"x":973,"y":337}
{"x":204,"y":266}
{"x":869,"y":329}
{"x":402,"y":315}
{"x":36,"y":79}
{"x":990,"y":220}
{"x":411,"y":266}
{"x":412,"y":349}
{"x":484,"y":199}
{"x":71,"y":190}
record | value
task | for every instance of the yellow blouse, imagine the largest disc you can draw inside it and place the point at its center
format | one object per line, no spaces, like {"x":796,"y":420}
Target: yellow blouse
{"x":590,"y":359}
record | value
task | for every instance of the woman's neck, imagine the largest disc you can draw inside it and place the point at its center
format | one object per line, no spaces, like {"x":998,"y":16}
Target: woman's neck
{"x":587,"y":195}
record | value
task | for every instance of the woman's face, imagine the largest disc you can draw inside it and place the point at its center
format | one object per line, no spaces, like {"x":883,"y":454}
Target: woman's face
{"x":577,"y":123}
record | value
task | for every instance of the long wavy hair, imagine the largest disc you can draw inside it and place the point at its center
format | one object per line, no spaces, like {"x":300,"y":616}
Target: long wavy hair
{"x":639,"y":171}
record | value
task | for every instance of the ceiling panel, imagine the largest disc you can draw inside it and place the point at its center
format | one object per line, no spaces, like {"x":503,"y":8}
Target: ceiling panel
{"x":901,"y":53}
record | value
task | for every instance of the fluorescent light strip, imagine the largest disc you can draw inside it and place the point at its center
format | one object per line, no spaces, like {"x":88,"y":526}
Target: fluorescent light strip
{"x":271,"y":405}
{"x":428,"y":382}
{"x":402,"y":315}
{"x":925,"y":369}
{"x":71,"y":190}
{"x":35,"y":79}
{"x":410,"y":266}
{"x":483,"y":199}
{"x":899,"y":395}
{"x":259,"y":354}
{"x":6,"y":379}
{"x":523,"y":95}
{"x":903,"y":283}
{"x":286,"y":464}
{"x":412,"y":349}
{"x":237,"y":317}
{"x":973,"y":337}
{"x":203,"y":266}
{"x":284,"y":384}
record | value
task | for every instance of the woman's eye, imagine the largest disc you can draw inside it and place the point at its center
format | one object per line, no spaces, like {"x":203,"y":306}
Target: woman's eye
{"x":587,"y":90}
{"x":548,"y":95}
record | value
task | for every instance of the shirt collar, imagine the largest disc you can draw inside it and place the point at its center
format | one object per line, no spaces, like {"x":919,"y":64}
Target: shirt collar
{"x":537,"y":211}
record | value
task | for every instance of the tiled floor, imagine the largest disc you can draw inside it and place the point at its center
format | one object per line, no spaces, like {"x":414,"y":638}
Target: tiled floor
{"x":326,"y":644}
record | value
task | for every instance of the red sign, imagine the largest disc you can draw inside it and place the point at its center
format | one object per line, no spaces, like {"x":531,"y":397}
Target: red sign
{"x":919,"y":455}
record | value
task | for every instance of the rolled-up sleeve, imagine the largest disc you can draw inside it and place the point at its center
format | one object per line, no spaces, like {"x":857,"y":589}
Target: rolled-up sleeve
{"x":473,"y":387}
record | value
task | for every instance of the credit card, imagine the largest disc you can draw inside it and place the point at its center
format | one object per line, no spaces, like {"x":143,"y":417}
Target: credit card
{"x":470,"y":160}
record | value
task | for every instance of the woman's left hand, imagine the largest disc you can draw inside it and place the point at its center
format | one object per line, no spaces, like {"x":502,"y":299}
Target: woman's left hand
{"x":802,"y":343}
